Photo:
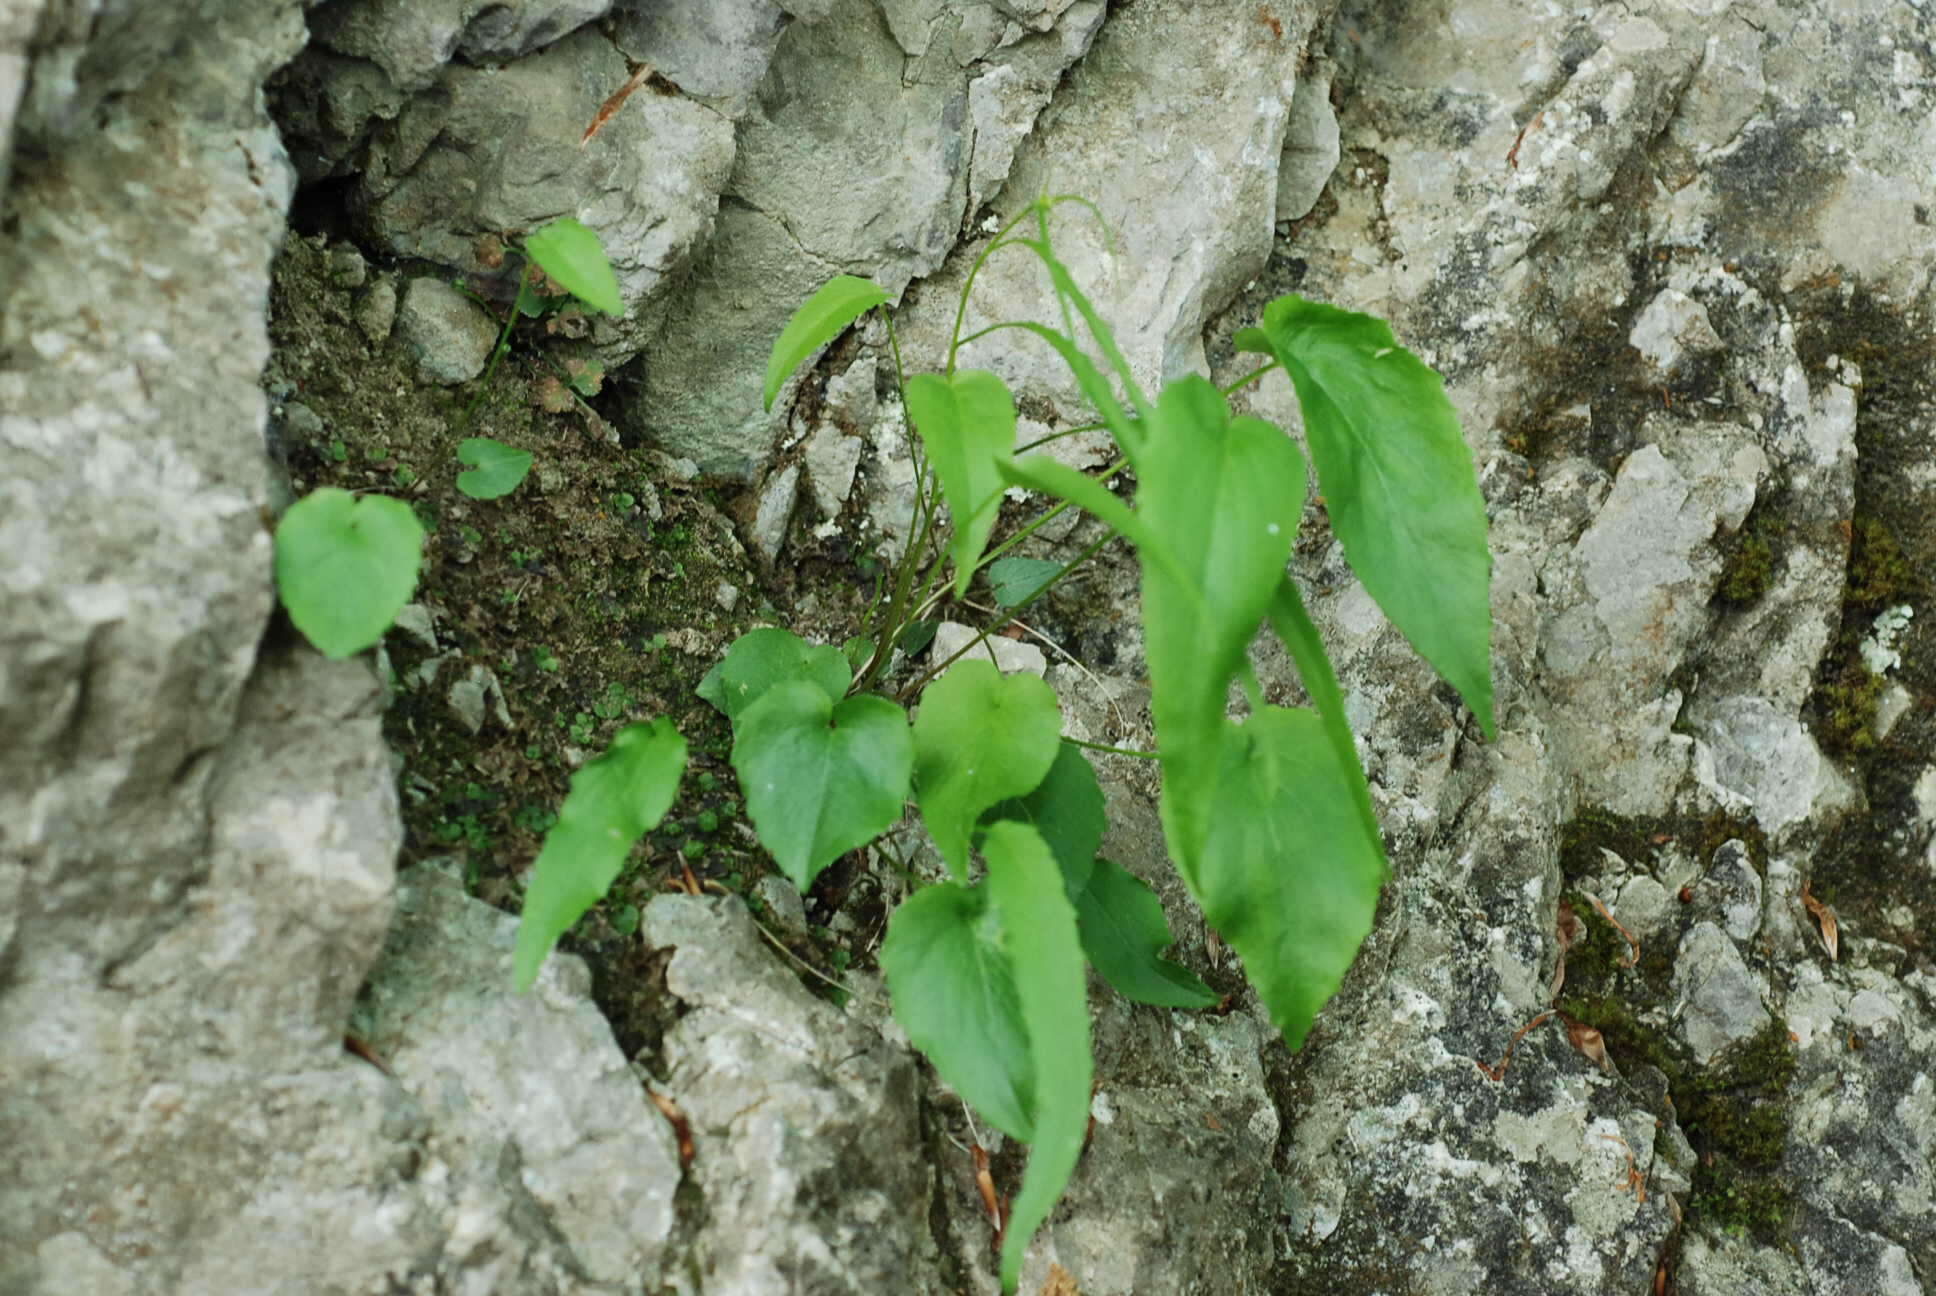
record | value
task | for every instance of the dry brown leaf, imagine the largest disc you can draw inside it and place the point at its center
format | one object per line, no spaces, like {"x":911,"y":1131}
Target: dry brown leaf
{"x":1061,"y":1282}
{"x":1825,"y":918}
{"x":610,"y":107}
{"x":681,"y":1127}
{"x":990,"y":1200}
{"x":1589,"y":1042}
{"x":1633,"y":946}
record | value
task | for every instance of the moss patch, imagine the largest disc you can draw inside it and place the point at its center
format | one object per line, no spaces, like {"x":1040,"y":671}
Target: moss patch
{"x":1732,"y":1110}
{"x":591,"y":595}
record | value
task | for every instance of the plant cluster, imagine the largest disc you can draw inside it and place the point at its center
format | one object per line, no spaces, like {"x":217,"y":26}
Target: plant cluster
{"x":1268,"y":818}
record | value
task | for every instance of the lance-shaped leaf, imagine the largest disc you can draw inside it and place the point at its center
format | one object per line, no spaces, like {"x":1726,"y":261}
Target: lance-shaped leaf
{"x":570,"y":253}
{"x":954,"y":994}
{"x":1039,"y":935}
{"x":1225,"y":496}
{"x":763,"y":658}
{"x":980,"y":737}
{"x":1397,"y":481}
{"x":1294,"y":626}
{"x":967,"y":423}
{"x":820,"y":779}
{"x":1124,"y":933}
{"x":821,"y":318}
{"x":1285,"y":869}
{"x":614,"y":800}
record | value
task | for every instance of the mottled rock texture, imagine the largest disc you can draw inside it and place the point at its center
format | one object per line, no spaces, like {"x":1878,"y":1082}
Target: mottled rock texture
{"x":1650,"y":1003}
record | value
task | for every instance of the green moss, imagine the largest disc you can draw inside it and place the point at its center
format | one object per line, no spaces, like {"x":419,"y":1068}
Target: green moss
{"x":1749,"y":570}
{"x":1880,"y":575}
{"x":1847,"y":695}
{"x":1732,"y":1110}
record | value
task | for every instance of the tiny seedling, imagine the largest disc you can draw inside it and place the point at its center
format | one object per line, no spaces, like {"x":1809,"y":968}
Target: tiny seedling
{"x":495,"y":469}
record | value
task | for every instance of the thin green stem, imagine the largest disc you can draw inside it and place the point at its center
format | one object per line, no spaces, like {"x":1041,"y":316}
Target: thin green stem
{"x":981,"y":259}
{"x":1113,"y":751}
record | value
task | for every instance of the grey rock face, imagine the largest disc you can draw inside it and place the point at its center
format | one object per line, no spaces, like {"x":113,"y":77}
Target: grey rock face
{"x":806,"y":1126}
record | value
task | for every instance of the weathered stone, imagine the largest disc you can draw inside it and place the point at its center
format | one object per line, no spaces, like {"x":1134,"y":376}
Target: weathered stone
{"x":951,"y":637}
{"x":1723,"y":1000}
{"x":832,"y":460}
{"x":413,"y":42}
{"x":447,"y":333}
{"x":772,"y":511}
{"x":806,"y":1126}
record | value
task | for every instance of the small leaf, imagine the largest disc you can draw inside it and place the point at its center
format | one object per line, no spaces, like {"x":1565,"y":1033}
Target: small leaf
{"x":955,"y":996}
{"x":496,"y":469}
{"x":1397,"y":479}
{"x":967,"y":423}
{"x":980,"y":737}
{"x":1066,"y":807}
{"x":614,"y":800}
{"x":1124,"y":933}
{"x":1285,"y":871}
{"x":570,"y":253}
{"x":1039,"y":936}
{"x":858,"y":651}
{"x":1017,"y":580}
{"x":345,"y":567}
{"x":822,"y":318}
{"x":820,"y":779}
{"x":763,"y":658}
{"x":1824,"y":918}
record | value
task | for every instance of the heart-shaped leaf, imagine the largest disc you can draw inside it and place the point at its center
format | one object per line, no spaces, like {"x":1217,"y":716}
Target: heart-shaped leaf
{"x":820,"y":779}
{"x":763,"y":658}
{"x":614,"y":800}
{"x":1397,"y":479}
{"x":495,"y":469}
{"x":570,"y":253}
{"x":967,"y":422}
{"x":820,"y":319}
{"x":346,"y":566}
{"x":980,"y":737}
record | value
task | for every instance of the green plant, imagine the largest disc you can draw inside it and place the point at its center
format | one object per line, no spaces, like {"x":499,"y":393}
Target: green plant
{"x":345,"y":566}
{"x":1269,"y":820}
{"x":570,"y":256}
{"x":494,"y":469}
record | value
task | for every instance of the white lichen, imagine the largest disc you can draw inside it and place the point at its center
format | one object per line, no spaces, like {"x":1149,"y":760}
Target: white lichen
{"x":1878,"y":648}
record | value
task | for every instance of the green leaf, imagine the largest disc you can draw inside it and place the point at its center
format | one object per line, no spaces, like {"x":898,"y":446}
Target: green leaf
{"x":1226,"y":496}
{"x":954,"y":994}
{"x":1039,"y":936}
{"x":1094,"y":387}
{"x":1066,"y":808}
{"x":857,"y":650}
{"x":572,"y":254}
{"x":1017,"y":580}
{"x":1294,"y":626}
{"x":495,"y":469}
{"x":346,"y":566}
{"x":614,"y":800}
{"x":980,"y":737}
{"x":820,"y":779}
{"x":839,"y":302}
{"x":1124,"y":933}
{"x":1398,"y":482}
{"x":967,"y":423}
{"x":763,"y":658}
{"x":1286,"y":871}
